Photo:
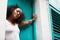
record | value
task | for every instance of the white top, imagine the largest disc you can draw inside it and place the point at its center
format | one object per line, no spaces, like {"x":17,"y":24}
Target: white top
{"x":12,"y":31}
{"x":10,"y":27}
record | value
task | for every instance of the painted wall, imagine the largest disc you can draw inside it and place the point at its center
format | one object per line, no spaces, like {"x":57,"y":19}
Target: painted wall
{"x":27,"y":32}
{"x":43,"y":28}
{"x":3,"y":5}
{"x":55,"y":3}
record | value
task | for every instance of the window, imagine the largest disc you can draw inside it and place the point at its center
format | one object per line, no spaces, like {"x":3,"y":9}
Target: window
{"x":55,"y":22}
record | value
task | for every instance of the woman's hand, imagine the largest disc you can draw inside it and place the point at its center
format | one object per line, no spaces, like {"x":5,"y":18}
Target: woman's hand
{"x":34,"y":16}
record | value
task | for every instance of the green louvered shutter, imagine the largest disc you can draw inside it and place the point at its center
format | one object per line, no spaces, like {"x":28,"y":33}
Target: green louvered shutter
{"x":55,"y":22}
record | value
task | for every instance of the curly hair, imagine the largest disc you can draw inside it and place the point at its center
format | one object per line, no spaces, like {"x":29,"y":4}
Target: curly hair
{"x":10,"y":9}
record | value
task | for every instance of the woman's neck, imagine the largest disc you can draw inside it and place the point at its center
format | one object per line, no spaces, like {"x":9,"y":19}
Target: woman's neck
{"x":10,"y":19}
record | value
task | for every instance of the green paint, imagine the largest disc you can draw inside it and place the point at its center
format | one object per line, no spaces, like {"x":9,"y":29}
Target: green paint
{"x":51,"y":24}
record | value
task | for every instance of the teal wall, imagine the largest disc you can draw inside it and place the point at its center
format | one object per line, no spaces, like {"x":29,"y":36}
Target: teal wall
{"x":27,"y":32}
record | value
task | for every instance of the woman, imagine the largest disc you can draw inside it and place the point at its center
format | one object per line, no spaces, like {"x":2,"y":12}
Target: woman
{"x":13,"y":18}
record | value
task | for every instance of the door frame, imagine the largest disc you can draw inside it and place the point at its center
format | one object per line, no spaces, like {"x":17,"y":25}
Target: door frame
{"x":43,"y":27}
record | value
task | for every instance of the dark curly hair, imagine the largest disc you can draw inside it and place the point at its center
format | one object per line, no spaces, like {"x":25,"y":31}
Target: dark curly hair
{"x":10,"y":9}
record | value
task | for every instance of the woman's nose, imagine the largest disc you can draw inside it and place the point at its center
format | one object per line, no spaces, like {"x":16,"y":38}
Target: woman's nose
{"x":18,"y":13}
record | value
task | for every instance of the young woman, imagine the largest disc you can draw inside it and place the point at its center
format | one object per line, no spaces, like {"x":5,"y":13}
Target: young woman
{"x":13,"y":18}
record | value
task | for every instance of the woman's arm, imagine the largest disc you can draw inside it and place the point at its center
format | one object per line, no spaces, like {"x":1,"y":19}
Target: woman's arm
{"x":28,"y":21}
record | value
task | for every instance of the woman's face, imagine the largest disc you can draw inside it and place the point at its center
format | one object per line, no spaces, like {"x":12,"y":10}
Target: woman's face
{"x":16,"y":13}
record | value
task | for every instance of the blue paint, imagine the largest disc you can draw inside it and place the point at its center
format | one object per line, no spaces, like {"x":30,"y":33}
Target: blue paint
{"x":28,"y":32}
